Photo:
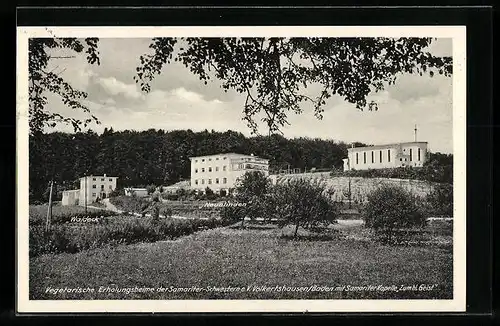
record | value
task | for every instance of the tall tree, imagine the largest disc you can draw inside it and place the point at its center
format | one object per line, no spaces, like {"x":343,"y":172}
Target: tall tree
{"x":273,"y":73}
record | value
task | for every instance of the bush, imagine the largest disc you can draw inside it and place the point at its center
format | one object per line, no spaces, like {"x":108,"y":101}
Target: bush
{"x":392,"y":209}
{"x":429,"y":172}
{"x":209,"y":194}
{"x":117,"y":192}
{"x":150,"y":189}
{"x":72,"y":238}
{"x":440,"y":201}
{"x":129,"y":203}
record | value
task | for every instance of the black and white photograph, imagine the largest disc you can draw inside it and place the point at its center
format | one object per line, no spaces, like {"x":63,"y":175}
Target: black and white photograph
{"x":246,"y":169}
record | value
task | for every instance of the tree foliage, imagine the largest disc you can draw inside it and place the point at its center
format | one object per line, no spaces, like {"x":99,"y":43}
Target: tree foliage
{"x":273,"y":73}
{"x":140,"y":158}
{"x":303,"y":203}
{"x":42,"y":81}
{"x":440,"y":201}
{"x":252,"y":189}
{"x":390,"y":209}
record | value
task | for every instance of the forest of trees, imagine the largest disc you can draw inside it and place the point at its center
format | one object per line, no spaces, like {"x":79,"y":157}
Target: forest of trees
{"x":139,"y":158}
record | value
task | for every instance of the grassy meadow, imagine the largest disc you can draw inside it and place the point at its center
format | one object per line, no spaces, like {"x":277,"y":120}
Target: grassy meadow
{"x":260,"y":255}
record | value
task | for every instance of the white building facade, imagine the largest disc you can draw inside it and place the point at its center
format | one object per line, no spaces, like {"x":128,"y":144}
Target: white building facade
{"x":221,"y":171}
{"x":94,"y":187}
{"x":70,"y":197}
{"x":138,"y":192}
{"x":410,"y":154}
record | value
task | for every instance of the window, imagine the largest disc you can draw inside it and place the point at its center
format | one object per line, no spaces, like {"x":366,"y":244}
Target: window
{"x":410,"y":155}
{"x":217,"y":159}
{"x":102,"y":186}
{"x":217,"y":180}
{"x":203,"y":160}
{"x":209,"y":159}
{"x":202,"y":169}
{"x":93,"y":179}
{"x":224,"y":158}
{"x":202,"y":181}
{"x":380,"y":156}
{"x":195,"y":161}
{"x":216,"y":168}
{"x":102,"y":179}
{"x":196,"y":181}
{"x":401,"y":159}
{"x":110,"y":180}
{"x":224,"y":180}
{"x":388,"y":155}
{"x":364,"y":157}
{"x":195,"y":170}
{"x":419,"y":153}
{"x":209,"y":169}
{"x":373,"y":160}
{"x":224,"y":168}
{"x":357,"y":158}
{"x":110,"y":187}
{"x":209,"y":181}
{"x":93,"y":194}
{"x":94,"y":186}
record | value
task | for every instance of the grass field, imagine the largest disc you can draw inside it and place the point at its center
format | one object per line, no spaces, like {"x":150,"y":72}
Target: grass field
{"x":257,"y":256}
{"x":61,"y":214}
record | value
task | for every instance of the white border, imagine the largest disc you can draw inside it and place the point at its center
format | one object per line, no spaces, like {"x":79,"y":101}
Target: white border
{"x":457,"y":33}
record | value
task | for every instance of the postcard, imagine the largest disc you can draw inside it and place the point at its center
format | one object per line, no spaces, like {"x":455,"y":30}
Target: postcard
{"x":241,"y":169}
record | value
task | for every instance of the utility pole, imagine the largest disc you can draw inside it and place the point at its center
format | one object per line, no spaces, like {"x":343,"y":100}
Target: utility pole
{"x":85,"y":193}
{"x":349,"y":176}
{"x":49,"y":209}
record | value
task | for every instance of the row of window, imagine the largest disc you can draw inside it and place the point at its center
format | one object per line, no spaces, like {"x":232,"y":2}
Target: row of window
{"x":102,"y":179}
{"x":224,"y":180}
{"x":210,"y":169}
{"x":380,"y":156}
{"x":102,"y":186}
{"x":209,"y":159}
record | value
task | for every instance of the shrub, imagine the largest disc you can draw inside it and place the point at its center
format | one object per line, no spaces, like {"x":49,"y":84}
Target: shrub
{"x":431,"y":171}
{"x":391,"y":209}
{"x":117,"y":192}
{"x":130,"y":203}
{"x":209,"y":194}
{"x":150,"y":189}
{"x":303,"y":203}
{"x":72,"y":238}
{"x":440,"y":201}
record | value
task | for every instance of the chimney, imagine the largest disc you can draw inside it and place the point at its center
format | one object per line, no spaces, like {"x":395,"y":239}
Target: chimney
{"x":105,"y":175}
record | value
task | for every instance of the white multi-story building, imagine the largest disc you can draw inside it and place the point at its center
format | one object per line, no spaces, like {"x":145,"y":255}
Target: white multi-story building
{"x":93,"y":187}
{"x":221,"y":171}
{"x":412,"y":154}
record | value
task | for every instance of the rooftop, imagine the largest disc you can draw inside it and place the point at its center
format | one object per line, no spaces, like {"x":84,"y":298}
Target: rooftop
{"x":97,"y":176}
{"x":386,"y":145}
{"x":226,"y":154}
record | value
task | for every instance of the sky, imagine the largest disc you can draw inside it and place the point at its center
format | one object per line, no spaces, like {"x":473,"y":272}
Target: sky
{"x":178,"y":100}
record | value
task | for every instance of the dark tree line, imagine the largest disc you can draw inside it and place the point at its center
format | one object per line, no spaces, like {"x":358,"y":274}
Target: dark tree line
{"x":139,"y":158}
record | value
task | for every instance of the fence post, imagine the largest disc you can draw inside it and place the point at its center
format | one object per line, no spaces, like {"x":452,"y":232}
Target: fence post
{"x":49,"y":209}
